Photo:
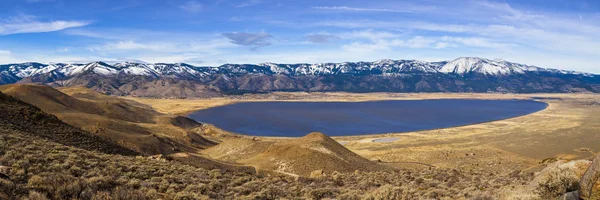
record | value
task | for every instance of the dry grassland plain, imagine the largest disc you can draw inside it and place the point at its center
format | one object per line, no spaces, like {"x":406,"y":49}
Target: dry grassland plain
{"x":568,"y":129}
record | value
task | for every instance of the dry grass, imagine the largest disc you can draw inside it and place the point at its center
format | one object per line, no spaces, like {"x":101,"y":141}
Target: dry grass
{"x":44,"y":169}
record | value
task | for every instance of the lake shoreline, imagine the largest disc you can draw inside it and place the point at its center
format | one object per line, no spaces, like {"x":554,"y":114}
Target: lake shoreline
{"x":367,"y":121}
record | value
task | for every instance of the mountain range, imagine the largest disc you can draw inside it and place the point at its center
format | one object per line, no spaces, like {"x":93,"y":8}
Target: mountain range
{"x":465,"y":74}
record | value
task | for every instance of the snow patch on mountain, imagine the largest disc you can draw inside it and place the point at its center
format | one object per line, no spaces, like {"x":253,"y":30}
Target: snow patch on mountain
{"x":386,"y":67}
{"x":468,"y":65}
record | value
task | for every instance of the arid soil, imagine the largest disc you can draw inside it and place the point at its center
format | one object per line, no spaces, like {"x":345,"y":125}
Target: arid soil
{"x":567,"y":129}
{"x":507,"y":159}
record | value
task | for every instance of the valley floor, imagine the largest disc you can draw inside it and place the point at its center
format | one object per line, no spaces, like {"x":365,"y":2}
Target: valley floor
{"x":567,"y":129}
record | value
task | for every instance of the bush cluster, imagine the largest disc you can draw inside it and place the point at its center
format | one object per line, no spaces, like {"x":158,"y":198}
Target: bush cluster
{"x":42,"y":169}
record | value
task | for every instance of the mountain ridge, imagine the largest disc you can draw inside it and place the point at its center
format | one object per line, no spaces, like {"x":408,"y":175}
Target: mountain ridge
{"x":181,"y":80}
{"x":461,"y":65}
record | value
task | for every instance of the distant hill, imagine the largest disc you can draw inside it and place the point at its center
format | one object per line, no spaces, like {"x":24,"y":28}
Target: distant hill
{"x":180,"y":80}
{"x":315,"y":151}
{"x":129,"y":124}
{"x":18,"y":115}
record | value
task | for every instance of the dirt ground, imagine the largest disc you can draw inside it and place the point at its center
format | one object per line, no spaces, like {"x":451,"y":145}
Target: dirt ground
{"x":568,"y":129}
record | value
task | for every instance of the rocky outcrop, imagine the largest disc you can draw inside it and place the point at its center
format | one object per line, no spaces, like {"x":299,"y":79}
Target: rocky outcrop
{"x":590,"y":179}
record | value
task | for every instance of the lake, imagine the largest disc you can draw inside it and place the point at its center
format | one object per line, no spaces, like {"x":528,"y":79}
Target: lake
{"x":294,"y":119}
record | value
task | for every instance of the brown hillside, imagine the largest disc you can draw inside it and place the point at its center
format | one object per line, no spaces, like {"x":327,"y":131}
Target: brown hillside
{"x":315,"y":151}
{"x":18,"y":115}
{"x":129,"y":124}
{"x":139,"y":86}
{"x":237,"y":149}
{"x":52,"y":100}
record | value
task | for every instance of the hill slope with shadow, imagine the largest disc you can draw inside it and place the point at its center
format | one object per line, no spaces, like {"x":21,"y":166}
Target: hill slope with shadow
{"x":313,"y":152}
{"x":18,"y":115}
{"x":127,"y":123}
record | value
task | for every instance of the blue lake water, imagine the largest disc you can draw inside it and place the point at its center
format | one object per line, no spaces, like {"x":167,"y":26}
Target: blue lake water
{"x":294,"y":119}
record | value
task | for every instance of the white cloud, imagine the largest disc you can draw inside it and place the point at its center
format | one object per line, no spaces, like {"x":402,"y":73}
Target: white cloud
{"x":383,"y":44}
{"x":132,"y":45}
{"x":356,"y":9}
{"x":248,"y":3}
{"x":365,"y":47}
{"x":37,"y":1}
{"x":173,"y":46}
{"x":191,"y":6}
{"x":452,"y":28}
{"x":28,"y":24}
{"x":354,"y":24}
{"x":476,"y":42}
{"x":416,"y":42}
{"x":7,"y":57}
{"x":368,"y":34}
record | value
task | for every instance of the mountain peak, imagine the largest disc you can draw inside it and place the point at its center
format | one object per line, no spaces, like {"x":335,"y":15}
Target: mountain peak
{"x":384,"y":61}
{"x":470,"y":65}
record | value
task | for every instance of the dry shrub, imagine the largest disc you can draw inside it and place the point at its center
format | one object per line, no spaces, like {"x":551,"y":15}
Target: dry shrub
{"x":272,"y":192}
{"x":519,"y":193}
{"x":322,"y":193}
{"x":33,"y":195}
{"x":386,"y":192}
{"x":557,"y":181}
{"x":482,"y":196}
{"x":522,"y":196}
{"x":79,"y":174}
{"x":185,"y":195}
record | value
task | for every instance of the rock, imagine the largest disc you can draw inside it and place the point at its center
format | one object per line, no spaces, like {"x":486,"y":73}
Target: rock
{"x":571,"y":196}
{"x":590,"y":178}
{"x":317,"y":173}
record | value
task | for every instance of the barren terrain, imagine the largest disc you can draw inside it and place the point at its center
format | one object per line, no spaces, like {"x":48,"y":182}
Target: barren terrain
{"x":567,"y":129}
{"x":480,"y":161}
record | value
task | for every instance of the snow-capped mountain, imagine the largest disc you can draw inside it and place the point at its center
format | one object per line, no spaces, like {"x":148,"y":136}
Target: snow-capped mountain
{"x":381,"y":75}
{"x":459,"y":66}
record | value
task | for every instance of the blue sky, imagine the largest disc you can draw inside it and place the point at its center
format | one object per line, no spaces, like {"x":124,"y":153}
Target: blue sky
{"x":560,"y":34}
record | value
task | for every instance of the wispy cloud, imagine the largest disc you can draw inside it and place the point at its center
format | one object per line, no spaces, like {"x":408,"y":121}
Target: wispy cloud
{"x":132,"y":45}
{"x":167,"y":46}
{"x":320,"y":38}
{"x":369,"y":34}
{"x":475,"y":42}
{"x":248,"y":3}
{"x":37,"y":1}
{"x":28,"y":24}
{"x":357,"y":9}
{"x":253,"y":40}
{"x":191,"y":6}
{"x":387,"y":44}
{"x":6,"y":56}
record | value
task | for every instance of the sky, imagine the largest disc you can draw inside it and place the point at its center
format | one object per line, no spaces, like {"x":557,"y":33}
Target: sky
{"x":563,"y":34}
